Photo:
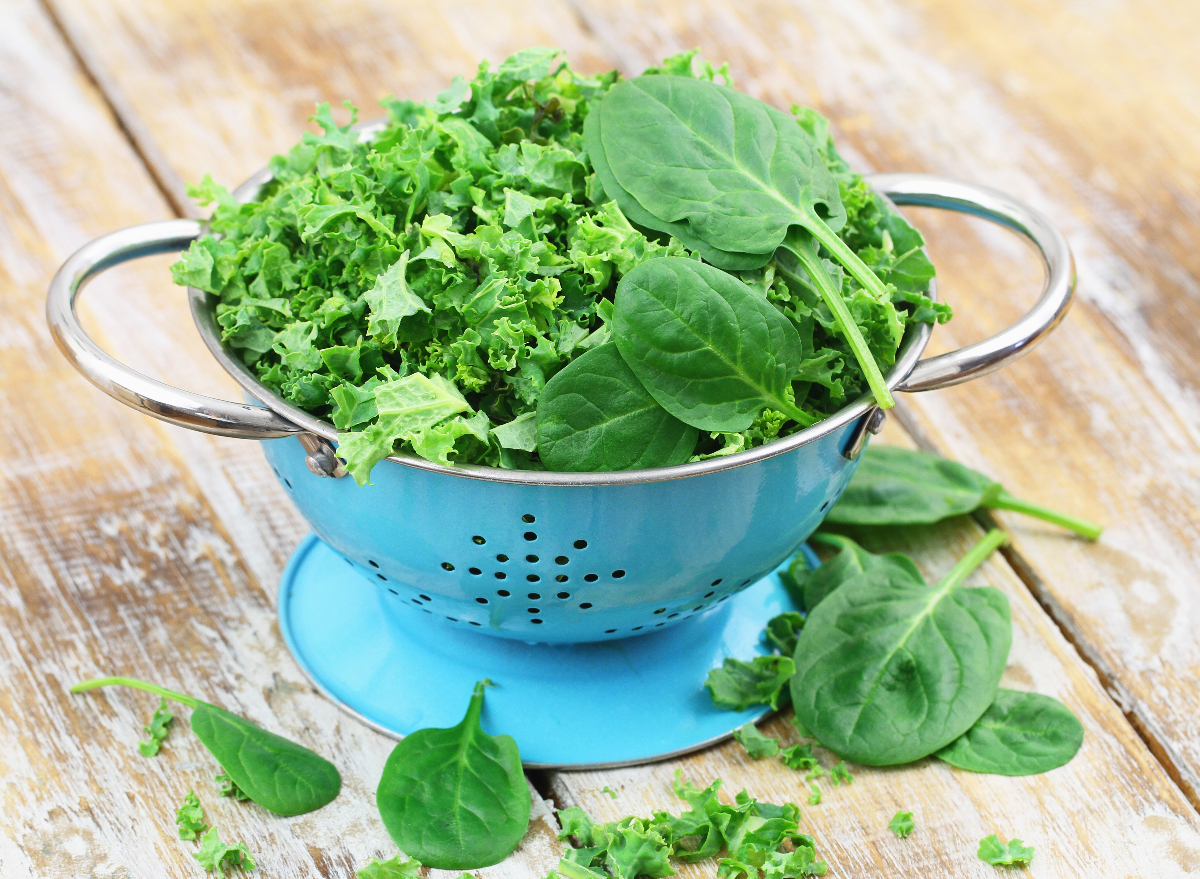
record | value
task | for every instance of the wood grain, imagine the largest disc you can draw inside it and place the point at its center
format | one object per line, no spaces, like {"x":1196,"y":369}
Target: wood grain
{"x":112,"y":560}
{"x":217,"y":88}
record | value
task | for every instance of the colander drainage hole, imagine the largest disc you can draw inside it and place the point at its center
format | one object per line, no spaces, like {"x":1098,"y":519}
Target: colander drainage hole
{"x":393,"y":591}
{"x":659,"y":625}
{"x":534,"y":609}
{"x":563,"y":595}
{"x":426,"y":598}
{"x":672,"y":616}
{"x":661,"y":610}
{"x":536,"y":621}
{"x":531,"y":558}
{"x":373,"y":563}
{"x":528,"y":517}
{"x":585,"y":605}
{"x":347,"y":561}
{"x":745,"y":582}
{"x":618,"y":574}
{"x":503,"y":593}
{"x":529,"y":535}
{"x":381,"y":577}
{"x":532,"y":578}
{"x":823,"y":507}
{"x":610,"y":631}
{"x":637,"y":628}
{"x":591,"y":578}
{"x":581,"y":544}
{"x":287,"y":482}
{"x":500,"y":575}
{"x":716,"y":582}
{"x":473,"y":623}
{"x":562,"y":578}
{"x":502,"y":558}
{"x":475,"y":571}
{"x":561,"y":560}
{"x":481,"y":600}
{"x":446,"y":566}
{"x":709,"y":594}
{"x":534,"y":596}
{"x":452,"y":619}
{"x":479,"y":540}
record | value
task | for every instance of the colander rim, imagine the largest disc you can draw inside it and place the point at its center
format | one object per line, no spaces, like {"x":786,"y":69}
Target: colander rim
{"x":202,"y":306}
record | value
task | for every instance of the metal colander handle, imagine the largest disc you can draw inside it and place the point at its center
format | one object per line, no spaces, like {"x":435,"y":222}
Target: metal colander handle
{"x":955,"y":367}
{"x":152,"y":397}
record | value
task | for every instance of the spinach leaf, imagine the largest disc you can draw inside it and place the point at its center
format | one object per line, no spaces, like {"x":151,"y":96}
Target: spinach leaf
{"x":712,"y":352}
{"x":279,"y":775}
{"x":1019,"y":734}
{"x":393,"y":868}
{"x":902,"y":824}
{"x":888,"y":673}
{"x":851,"y":563}
{"x":895,"y":486}
{"x":189,"y":817}
{"x":782,"y":630}
{"x":156,"y":730}
{"x":756,"y":744}
{"x":737,"y":685}
{"x":745,"y":177}
{"x":1004,"y":854}
{"x":595,"y":415}
{"x":455,"y":799}
{"x":216,"y":855}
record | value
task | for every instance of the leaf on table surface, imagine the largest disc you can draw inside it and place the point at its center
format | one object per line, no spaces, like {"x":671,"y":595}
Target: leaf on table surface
{"x":397,"y":867}
{"x":902,"y":824}
{"x":1004,"y":854}
{"x":1019,"y":734}
{"x":156,"y":730}
{"x":216,"y":855}
{"x":189,"y":817}
{"x":756,"y":744}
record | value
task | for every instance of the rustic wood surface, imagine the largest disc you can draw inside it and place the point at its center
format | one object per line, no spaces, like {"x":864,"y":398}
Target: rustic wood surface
{"x":126,"y":544}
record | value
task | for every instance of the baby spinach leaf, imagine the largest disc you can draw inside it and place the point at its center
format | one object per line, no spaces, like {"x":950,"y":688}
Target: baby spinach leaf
{"x":393,"y":868}
{"x":595,"y":415}
{"x":888,"y":673}
{"x":896,"y":486}
{"x":279,"y":775}
{"x":710,"y":350}
{"x":189,"y":817}
{"x":740,"y":173}
{"x":1019,"y":734}
{"x":156,"y":730}
{"x":1004,"y":854}
{"x":456,"y":799}
{"x":851,"y":563}
{"x":782,"y":631}
{"x":227,"y":787}
{"x":737,"y":685}
{"x":216,"y":855}
{"x":756,"y":744}
{"x":902,"y":824}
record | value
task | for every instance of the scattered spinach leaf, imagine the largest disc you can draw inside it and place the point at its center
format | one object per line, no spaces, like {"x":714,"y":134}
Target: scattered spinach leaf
{"x":782,"y":630}
{"x":227,"y":787}
{"x":737,"y":685}
{"x":890,"y":673}
{"x":189,"y":817}
{"x":1004,"y":854}
{"x":156,"y":730}
{"x":851,"y":563}
{"x":216,"y":855}
{"x":456,"y":799}
{"x":595,"y":415}
{"x":756,"y":744}
{"x":1019,"y":734}
{"x":711,"y":351}
{"x":902,"y":824}
{"x":279,"y":775}
{"x":896,"y":486}
{"x":393,"y":868}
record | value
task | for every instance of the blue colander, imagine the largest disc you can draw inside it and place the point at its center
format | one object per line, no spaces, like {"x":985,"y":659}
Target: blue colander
{"x":596,"y":602}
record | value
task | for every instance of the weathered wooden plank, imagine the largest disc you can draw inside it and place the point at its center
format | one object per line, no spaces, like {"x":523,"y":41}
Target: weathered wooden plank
{"x":112,"y":560}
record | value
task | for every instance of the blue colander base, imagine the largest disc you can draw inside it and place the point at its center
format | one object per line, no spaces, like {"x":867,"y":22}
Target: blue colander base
{"x":567,"y":705}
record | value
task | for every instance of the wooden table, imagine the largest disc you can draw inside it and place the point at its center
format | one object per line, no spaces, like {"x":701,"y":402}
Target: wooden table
{"x":128,"y":546}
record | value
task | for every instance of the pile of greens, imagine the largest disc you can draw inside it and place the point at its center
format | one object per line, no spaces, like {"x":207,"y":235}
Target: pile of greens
{"x":421,"y":289}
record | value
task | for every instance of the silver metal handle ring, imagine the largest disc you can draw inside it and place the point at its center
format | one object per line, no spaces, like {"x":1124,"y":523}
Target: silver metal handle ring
{"x":928,"y":190}
{"x":152,"y":397}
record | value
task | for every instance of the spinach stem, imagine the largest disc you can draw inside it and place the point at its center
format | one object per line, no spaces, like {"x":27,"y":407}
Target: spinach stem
{"x":994,"y":539}
{"x":137,"y":685}
{"x":801,"y":247}
{"x":1082,"y":527}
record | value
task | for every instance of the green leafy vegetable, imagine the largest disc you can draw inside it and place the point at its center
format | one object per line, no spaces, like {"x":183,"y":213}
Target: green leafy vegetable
{"x":156,"y":729}
{"x":393,"y":868}
{"x":608,"y":790}
{"x":782,"y":631}
{"x":895,"y":486}
{"x":1003,"y":854}
{"x":852,"y":563}
{"x":737,"y":685}
{"x":595,"y":415}
{"x":839,"y":774}
{"x":814,"y":798}
{"x":276,"y":773}
{"x":455,"y":798}
{"x":712,"y":352}
{"x":756,"y":744}
{"x":472,"y":242}
{"x":799,"y":757}
{"x":1019,"y":734}
{"x":889,"y":673}
{"x":741,"y":174}
{"x":216,"y":855}
{"x":227,"y":787}
{"x":190,"y":817}
{"x":902,"y":824}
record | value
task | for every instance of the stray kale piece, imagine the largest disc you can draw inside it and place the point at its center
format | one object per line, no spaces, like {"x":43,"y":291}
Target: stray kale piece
{"x":393,"y":868}
{"x":895,"y":486}
{"x":156,"y":729}
{"x":756,"y":744}
{"x":737,"y":685}
{"x":216,"y":855}
{"x":840,"y":773}
{"x":276,"y":773}
{"x":608,"y":790}
{"x":190,"y":817}
{"x":902,"y":824}
{"x":227,"y":787}
{"x":1003,"y":854}
{"x":815,"y":797}
{"x":782,"y":630}
{"x":799,"y":757}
